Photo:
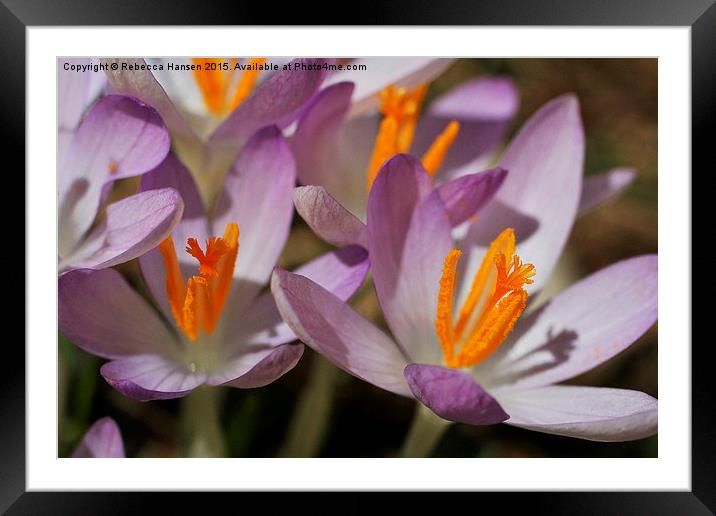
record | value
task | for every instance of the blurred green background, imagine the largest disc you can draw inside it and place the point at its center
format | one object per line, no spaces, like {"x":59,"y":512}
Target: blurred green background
{"x":619,"y":108}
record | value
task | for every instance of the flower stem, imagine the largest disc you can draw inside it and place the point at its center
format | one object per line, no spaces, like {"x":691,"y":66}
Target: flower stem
{"x":313,"y":410}
{"x":425,"y":431}
{"x":201,"y":429}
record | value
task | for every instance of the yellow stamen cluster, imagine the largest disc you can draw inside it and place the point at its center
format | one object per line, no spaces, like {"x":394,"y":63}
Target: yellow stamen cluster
{"x":493,"y":305}
{"x":198,"y":303}
{"x":221,"y":87}
{"x":401,"y":108}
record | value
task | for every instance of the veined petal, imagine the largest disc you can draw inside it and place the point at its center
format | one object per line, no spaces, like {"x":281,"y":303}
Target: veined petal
{"x":328,"y":218}
{"x":600,"y":188}
{"x":258,"y":366}
{"x":333,"y":328}
{"x":539,"y":197}
{"x":453,"y":395}
{"x":276,"y":101}
{"x":408,"y":239}
{"x":119,"y":137}
{"x":465,"y":196}
{"x":102,"y":440}
{"x":103,"y":315}
{"x":76,"y":90}
{"x":258,"y":195}
{"x":579,"y":328}
{"x":132,"y":226}
{"x":151,"y":377}
{"x":593,"y":413}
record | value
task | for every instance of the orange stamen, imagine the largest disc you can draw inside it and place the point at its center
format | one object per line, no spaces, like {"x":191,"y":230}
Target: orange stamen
{"x":435,"y":155}
{"x":401,"y":110}
{"x":495,"y":302}
{"x":216,"y":79}
{"x":198,"y":303}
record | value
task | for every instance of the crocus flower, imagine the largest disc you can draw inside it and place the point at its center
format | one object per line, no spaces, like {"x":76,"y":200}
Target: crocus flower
{"x":213,"y":326}
{"x":459,"y":344}
{"x":102,"y":440}
{"x":118,"y":137}
{"x":235,"y":103}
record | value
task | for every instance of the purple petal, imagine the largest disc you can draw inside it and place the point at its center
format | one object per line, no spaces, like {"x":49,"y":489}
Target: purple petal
{"x":340,"y":272}
{"x":319,"y":143}
{"x":258,"y":195}
{"x":582,"y":327}
{"x":333,"y":328}
{"x":453,"y":395}
{"x":276,"y":101}
{"x":140,"y":83}
{"x":544,"y":183}
{"x":465,"y":196}
{"x":594,"y":413}
{"x":408,"y":239}
{"x":485,"y":108}
{"x":132,"y":226}
{"x":381,"y":72}
{"x":76,"y":90}
{"x":193,"y":224}
{"x":598,"y":189}
{"x":258,"y":368}
{"x":328,"y":218}
{"x":151,"y":377}
{"x":103,"y":315}
{"x":119,"y":137}
{"x":102,"y":440}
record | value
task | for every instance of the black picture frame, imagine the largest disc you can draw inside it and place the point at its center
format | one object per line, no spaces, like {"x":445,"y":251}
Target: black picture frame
{"x":699,"y":15}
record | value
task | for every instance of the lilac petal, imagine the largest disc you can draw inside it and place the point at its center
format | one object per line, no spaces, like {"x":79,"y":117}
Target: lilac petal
{"x":140,"y":83}
{"x":381,"y":72}
{"x":151,"y":377}
{"x":132,"y":226}
{"x":582,"y":327}
{"x":102,"y":314}
{"x":276,"y":101}
{"x":119,"y":137}
{"x":340,"y":272}
{"x":453,"y":395}
{"x":544,"y":183}
{"x":258,"y":368}
{"x":318,"y":142}
{"x":102,"y":440}
{"x":484,"y":107}
{"x":408,"y":239}
{"x":328,"y":218}
{"x":593,"y":413}
{"x":193,"y":224}
{"x":75,"y":92}
{"x":465,"y":196}
{"x":333,"y":328}
{"x":600,"y":188}
{"x":258,"y":195}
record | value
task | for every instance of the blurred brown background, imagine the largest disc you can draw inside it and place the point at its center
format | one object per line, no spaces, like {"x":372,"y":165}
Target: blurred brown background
{"x":619,"y":108}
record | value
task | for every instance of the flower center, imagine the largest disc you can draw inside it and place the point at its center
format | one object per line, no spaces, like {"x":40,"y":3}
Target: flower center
{"x":401,"y":109}
{"x":222,"y":88}
{"x":198,"y":303}
{"x":493,"y":305}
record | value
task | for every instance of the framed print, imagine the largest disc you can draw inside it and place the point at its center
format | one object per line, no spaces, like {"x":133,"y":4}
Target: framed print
{"x":434,"y":257}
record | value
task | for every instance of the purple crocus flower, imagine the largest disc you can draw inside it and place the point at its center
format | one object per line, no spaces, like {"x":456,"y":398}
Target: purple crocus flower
{"x":117,"y":137}
{"x":102,"y":440}
{"x":234,"y":108}
{"x":213,"y":325}
{"x":485,"y":364}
